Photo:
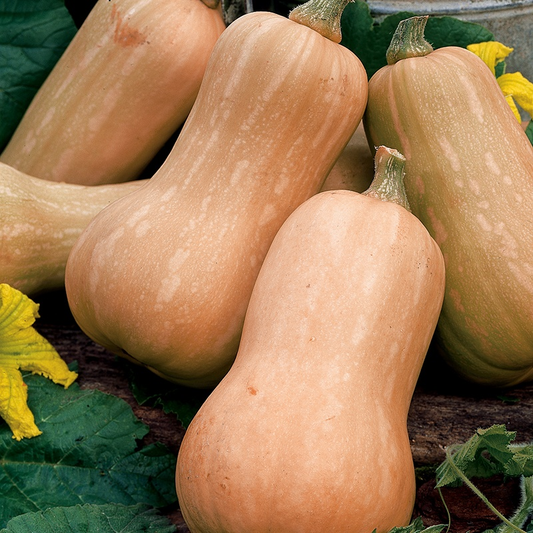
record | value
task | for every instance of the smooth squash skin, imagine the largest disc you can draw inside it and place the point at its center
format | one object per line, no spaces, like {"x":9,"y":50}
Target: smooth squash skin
{"x":354,"y":168}
{"x":39,"y":223}
{"x":164,"y":276}
{"x":307,"y":432}
{"x":469,"y":179}
{"x":123,"y":86}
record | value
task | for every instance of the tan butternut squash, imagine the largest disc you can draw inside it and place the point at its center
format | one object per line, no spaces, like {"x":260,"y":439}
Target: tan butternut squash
{"x":307,"y":432}
{"x":469,"y":179}
{"x":39,"y":223}
{"x":163,"y":276}
{"x":125,"y":83}
{"x":354,"y":169}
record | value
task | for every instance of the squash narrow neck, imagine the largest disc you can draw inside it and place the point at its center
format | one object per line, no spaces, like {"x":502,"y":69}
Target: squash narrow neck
{"x":323,"y":16}
{"x":388,"y":184}
{"x":408,"y":40}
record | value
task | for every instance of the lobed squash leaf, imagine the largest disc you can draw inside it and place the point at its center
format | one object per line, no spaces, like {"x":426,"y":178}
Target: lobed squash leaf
{"x":33,"y":36}
{"x":90,"y":518}
{"x":488,"y":452}
{"x":87,"y":453}
{"x":149,"y":389}
{"x":416,"y":526}
{"x":369,"y":39}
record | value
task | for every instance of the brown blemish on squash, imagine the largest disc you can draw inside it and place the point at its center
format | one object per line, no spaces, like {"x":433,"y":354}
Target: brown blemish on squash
{"x":124,"y":34}
{"x":252,"y":391}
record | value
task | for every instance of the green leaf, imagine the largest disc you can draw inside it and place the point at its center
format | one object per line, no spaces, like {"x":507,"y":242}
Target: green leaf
{"x":33,"y":35}
{"x":417,"y":526}
{"x":488,"y":452}
{"x":88,"y":518}
{"x":450,"y":31}
{"x":369,"y":39}
{"x":366,"y":39}
{"x":149,"y":389}
{"x":500,"y":68}
{"x":88,"y":453}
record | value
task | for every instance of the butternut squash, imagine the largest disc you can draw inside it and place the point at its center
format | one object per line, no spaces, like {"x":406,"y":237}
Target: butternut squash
{"x":40,"y":222}
{"x":307,"y":432}
{"x":354,"y":168}
{"x":163,"y":276}
{"x":125,"y":83}
{"x":469,"y":179}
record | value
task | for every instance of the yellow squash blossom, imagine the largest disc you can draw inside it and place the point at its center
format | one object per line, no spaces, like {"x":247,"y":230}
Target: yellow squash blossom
{"x":516,"y":88}
{"x":22,"y":348}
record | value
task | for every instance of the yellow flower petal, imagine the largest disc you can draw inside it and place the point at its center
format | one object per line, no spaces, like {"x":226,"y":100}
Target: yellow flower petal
{"x":521,"y":89}
{"x":13,"y":405}
{"x":491,"y":52}
{"x":23,"y":348}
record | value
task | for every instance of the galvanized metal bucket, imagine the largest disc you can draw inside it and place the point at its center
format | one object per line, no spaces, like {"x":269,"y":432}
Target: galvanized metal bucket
{"x":511,"y":22}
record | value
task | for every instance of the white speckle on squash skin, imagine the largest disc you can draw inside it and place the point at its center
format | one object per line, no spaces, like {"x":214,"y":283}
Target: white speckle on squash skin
{"x":420,"y":185}
{"x":136,"y":215}
{"x":169,"y":194}
{"x":29,"y":144}
{"x":523,"y":274}
{"x":473,"y":185}
{"x":46,"y":119}
{"x":239,"y":171}
{"x":100,"y":258}
{"x":477,"y":107}
{"x":142,"y":228}
{"x":492,"y":164}
{"x":268,"y":215}
{"x":13,"y":231}
{"x":450,"y":154}
{"x":509,"y":245}
{"x":107,"y":104}
{"x":439,"y":230}
{"x":484,"y":224}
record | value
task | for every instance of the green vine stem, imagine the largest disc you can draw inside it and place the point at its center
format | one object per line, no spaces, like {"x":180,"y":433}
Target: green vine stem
{"x":408,"y":40}
{"x":448,"y":514}
{"x":323,"y":16}
{"x":459,"y":473}
{"x":524,"y":509}
{"x":389,"y":172}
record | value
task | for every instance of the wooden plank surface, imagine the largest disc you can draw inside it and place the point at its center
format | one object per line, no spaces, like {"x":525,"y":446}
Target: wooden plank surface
{"x":444,"y":410}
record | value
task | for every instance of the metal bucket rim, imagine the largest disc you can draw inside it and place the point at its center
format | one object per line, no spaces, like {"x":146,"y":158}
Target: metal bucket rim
{"x":446,"y":7}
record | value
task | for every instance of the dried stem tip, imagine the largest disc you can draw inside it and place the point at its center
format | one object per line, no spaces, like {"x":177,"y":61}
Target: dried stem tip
{"x":323,"y":16}
{"x":408,"y":40}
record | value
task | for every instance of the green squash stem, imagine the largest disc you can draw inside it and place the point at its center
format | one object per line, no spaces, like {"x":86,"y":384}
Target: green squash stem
{"x":408,"y":40}
{"x":389,"y":172}
{"x":323,"y":16}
